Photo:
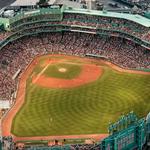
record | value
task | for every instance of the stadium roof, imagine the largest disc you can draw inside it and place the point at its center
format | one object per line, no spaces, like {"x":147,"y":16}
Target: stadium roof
{"x":136,"y":18}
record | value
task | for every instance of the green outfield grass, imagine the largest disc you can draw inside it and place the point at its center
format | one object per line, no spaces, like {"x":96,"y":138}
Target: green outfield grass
{"x":82,"y":110}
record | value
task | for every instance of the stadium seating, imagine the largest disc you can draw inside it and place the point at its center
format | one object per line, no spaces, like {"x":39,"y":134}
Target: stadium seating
{"x":18,"y":54}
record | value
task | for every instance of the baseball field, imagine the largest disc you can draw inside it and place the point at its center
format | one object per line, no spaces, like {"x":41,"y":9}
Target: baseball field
{"x":66,"y":95}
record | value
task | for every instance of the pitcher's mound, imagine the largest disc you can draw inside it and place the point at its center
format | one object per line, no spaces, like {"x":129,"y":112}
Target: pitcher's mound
{"x":63,"y":70}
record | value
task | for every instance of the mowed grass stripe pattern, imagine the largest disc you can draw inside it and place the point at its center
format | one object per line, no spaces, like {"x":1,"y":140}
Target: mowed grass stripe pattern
{"x":82,"y":110}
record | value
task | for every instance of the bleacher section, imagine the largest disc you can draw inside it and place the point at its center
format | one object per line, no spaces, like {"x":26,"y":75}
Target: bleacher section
{"x":60,"y":18}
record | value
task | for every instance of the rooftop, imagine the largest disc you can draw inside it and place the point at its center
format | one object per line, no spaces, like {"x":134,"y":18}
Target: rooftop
{"x":132,"y":17}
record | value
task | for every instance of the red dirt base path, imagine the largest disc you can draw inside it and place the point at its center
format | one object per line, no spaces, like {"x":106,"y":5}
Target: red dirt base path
{"x":8,"y":118}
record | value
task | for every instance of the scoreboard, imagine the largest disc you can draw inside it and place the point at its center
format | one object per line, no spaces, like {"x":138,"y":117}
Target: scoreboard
{"x":132,"y":136}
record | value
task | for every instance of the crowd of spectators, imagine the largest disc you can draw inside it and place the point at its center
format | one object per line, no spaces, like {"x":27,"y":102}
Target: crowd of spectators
{"x":4,"y":35}
{"x":7,"y":143}
{"x":85,"y":147}
{"x":146,"y":36}
{"x":18,"y":54}
{"x":51,"y":17}
{"x":63,"y":147}
{"x":107,"y":23}
{"x":92,"y":21}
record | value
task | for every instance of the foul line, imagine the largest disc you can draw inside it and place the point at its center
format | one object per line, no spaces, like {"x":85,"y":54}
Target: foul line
{"x":41,"y":73}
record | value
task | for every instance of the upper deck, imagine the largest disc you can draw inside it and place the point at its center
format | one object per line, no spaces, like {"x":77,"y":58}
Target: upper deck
{"x":22,"y":19}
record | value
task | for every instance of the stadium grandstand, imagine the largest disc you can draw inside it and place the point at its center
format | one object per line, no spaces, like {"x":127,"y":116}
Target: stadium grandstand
{"x":122,"y":39}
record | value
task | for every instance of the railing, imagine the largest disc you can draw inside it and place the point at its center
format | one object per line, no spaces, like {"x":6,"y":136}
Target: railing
{"x":33,"y":13}
{"x":78,"y":28}
{"x":137,"y":34}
